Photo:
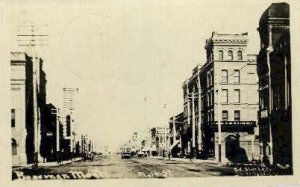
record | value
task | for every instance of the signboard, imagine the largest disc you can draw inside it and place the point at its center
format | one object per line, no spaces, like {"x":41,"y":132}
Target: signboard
{"x":264,"y":114}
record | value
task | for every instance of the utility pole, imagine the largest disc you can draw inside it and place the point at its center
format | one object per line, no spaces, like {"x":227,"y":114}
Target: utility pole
{"x":199,"y":115}
{"x":270,"y":108}
{"x":174,"y":130}
{"x":30,"y":39}
{"x":165,"y":141}
{"x":193,"y":125}
{"x":57,"y":132}
{"x":188,"y":115}
{"x":56,"y":112}
{"x":149,"y":141}
{"x":71,"y":136}
{"x":219,"y":126}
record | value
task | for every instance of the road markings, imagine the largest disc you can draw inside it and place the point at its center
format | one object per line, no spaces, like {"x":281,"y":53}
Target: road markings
{"x":140,"y":166}
{"x":152,"y":174}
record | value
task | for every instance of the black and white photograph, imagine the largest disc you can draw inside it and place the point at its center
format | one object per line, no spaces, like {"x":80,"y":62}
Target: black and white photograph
{"x":150,"y":89}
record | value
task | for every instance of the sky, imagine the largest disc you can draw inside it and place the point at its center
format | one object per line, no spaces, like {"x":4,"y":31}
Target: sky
{"x":129,"y":58}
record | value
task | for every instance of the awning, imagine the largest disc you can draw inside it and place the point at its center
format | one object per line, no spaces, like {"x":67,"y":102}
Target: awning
{"x":153,"y":148}
{"x":174,"y":144}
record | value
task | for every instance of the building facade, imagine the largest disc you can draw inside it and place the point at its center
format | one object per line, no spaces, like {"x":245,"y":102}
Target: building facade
{"x":274,"y":70}
{"x":28,"y":100}
{"x":70,"y":120}
{"x":229,"y":99}
{"x":18,"y":107}
{"x":51,"y":133}
{"x":191,"y":134}
{"x":159,"y":141}
{"x":176,"y":127}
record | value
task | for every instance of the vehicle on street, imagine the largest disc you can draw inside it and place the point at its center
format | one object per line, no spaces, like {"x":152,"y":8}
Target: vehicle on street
{"x":141,"y":154}
{"x":126,"y":152}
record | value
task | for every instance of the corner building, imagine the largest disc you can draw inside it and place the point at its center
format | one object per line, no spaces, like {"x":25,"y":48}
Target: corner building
{"x":274,"y":70}
{"x":229,"y":96}
{"x":18,"y":65}
{"x":22,"y":69}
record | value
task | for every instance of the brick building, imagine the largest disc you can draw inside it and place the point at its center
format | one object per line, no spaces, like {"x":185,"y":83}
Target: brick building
{"x":274,"y":70}
{"x":229,"y":97}
{"x":191,"y":131}
{"x":26,"y":118}
{"x":176,"y":135}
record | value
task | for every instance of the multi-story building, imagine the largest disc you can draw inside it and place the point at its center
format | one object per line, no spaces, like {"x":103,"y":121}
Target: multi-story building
{"x":18,"y":107}
{"x":176,"y":127}
{"x":229,"y":99}
{"x":70,"y":115}
{"x":51,"y":133}
{"x":192,"y":134}
{"x":28,"y":99}
{"x":159,"y":141}
{"x":274,"y":70}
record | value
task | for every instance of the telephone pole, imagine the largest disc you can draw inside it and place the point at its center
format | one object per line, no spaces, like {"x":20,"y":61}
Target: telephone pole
{"x":31,"y":39}
{"x":193,"y":126}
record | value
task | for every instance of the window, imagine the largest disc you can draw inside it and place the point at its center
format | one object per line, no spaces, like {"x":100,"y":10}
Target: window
{"x":237,"y":115}
{"x":14,"y":146}
{"x":240,"y":55}
{"x":237,"y":95}
{"x":208,"y":98}
{"x":236,"y":76}
{"x":224,"y":115}
{"x":224,"y":95}
{"x":221,"y":55}
{"x":230,"y":55}
{"x":224,"y":76}
{"x":13,"y":117}
{"x":208,"y":79}
{"x":212,"y":97}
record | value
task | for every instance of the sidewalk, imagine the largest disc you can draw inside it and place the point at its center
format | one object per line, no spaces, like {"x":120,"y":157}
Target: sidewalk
{"x":48,"y":163}
{"x":186,"y":160}
{"x":212,"y":164}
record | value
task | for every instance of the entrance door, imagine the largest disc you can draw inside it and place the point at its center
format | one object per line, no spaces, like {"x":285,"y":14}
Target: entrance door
{"x":231,"y":147}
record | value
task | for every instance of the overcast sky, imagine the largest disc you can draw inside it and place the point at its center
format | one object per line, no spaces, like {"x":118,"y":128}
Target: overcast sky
{"x":128,"y":59}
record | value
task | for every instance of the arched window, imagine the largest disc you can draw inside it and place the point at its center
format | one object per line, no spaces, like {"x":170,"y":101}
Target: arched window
{"x":14,"y":146}
{"x":240,"y":55}
{"x":220,"y":55}
{"x":230,"y":55}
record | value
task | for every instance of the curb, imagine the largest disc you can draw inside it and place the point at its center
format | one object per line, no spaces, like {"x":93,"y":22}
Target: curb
{"x":47,"y":164}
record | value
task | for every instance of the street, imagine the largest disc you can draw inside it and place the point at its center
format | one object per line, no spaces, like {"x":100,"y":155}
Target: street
{"x":112,"y":166}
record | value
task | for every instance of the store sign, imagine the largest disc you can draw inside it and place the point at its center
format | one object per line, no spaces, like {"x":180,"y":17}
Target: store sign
{"x":264,"y":114}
